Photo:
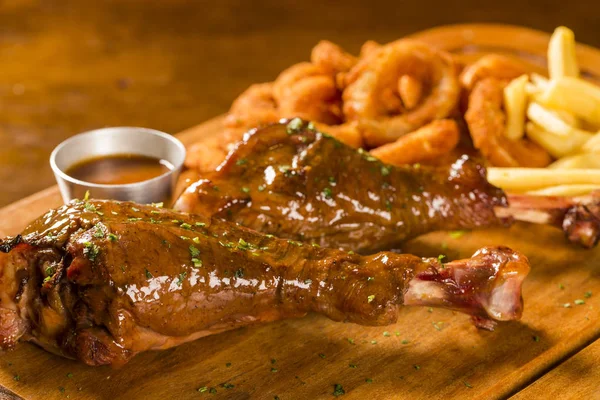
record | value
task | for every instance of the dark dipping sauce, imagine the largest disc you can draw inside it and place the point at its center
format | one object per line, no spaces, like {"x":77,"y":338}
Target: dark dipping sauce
{"x":118,"y":169}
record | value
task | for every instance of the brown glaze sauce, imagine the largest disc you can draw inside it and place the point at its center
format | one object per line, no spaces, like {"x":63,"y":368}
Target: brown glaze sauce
{"x":118,"y":169}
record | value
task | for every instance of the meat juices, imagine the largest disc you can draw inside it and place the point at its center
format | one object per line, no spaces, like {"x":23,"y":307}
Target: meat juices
{"x":101,"y":281}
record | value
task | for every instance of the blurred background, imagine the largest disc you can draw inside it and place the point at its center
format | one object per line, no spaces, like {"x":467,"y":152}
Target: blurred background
{"x":71,"y":66}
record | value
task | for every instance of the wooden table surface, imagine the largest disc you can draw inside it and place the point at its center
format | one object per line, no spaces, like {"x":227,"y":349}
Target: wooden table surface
{"x":70,"y":66}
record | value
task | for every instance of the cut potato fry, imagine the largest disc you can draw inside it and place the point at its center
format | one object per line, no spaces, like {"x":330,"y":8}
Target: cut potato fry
{"x":556,"y":122}
{"x":561,"y":54}
{"x":565,"y":190}
{"x":576,"y":96}
{"x":557,"y":146}
{"x":592,"y":145}
{"x":515,"y":104}
{"x":527,"y":179}
{"x":582,"y":161}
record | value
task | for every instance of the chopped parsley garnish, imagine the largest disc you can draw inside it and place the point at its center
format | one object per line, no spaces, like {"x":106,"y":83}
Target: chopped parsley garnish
{"x":370,"y":298}
{"x":441,"y":257}
{"x":417,"y":367}
{"x":243,"y":245}
{"x":385,"y":170}
{"x":351,"y":341}
{"x":239,"y":273}
{"x":112,"y":237}
{"x":261,"y":188}
{"x":99,"y":232}
{"x":184,"y":237}
{"x":69,"y":375}
{"x":200,"y":224}
{"x":212,"y":390}
{"x":405,"y":341}
{"x":388,"y":205}
{"x":386,"y":334}
{"x":245,"y":189}
{"x":273,"y":369}
{"x":437,"y":325}
{"x":181,"y":278}
{"x":308,"y":281}
{"x":135,"y":209}
{"x":567,"y":305}
{"x":196,"y":240}
{"x":353,"y":365}
{"x":332,"y":180}
{"x":194,"y":251}
{"x":315,"y":244}
{"x":228,"y":245}
{"x":241,"y":161}
{"x":311,"y":127}
{"x":89,"y":207}
{"x":148,"y":274}
{"x":269,"y":235}
{"x":338,"y":390}
{"x":273,"y":361}
{"x":294,"y":126}
{"x":467,"y":384}
{"x":91,"y":251}
{"x":228,"y":364}
{"x":197,"y":262}
{"x":350,"y":253}
{"x":154,"y":221}
{"x":536,"y":338}
{"x":50,"y":270}
{"x":158,"y":205}
{"x":321,"y":355}
{"x":370,"y":278}
{"x":579,"y":302}
{"x":17,"y":378}
{"x":155,"y":212}
{"x":295,"y":243}
{"x":185,"y":225}
{"x":228,"y":386}
{"x":587,"y":294}
{"x":203,"y":389}
{"x":369,"y":380}
{"x":457,"y":234}
{"x":133,"y":219}
{"x":373,"y":341}
{"x":327,"y":193}
{"x":175,"y":221}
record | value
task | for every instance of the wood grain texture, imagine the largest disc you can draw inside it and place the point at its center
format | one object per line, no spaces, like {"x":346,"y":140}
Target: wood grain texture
{"x":577,"y":378}
{"x":71,"y":65}
{"x":434,"y":354}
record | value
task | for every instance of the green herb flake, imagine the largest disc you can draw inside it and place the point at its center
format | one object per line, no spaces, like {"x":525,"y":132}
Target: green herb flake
{"x":154,"y":212}
{"x":307,"y":281}
{"x":294,"y":126}
{"x":245,"y":189}
{"x":181,"y":278}
{"x":175,"y":221}
{"x":185,"y":225}
{"x":69,"y":375}
{"x":351,"y":341}
{"x":241,"y":161}
{"x":370,"y":278}
{"x":243,"y":245}
{"x":226,"y":244}
{"x":417,"y":367}
{"x":370,"y":298}
{"x":397,"y":333}
{"x":212,"y":390}
{"x":197,"y":262}
{"x":91,"y":251}
{"x":148,"y":274}
{"x":338,"y":390}
{"x":567,"y":305}
{"x":268,"y":235}
{"x":228,"y":385}
{"x":273,"y":369}
{"x":299,"y":244}
{"x":135,"y":209}
{"x":579,"y":302}
{"x":405,"y":341}
{"x":61,"y":389}
{"x":196,"y":240}
{"x":239,"y":273}
{"x":184,"y":238}
{"x":203,"y":389}
{"x":133,"y":219}
{"x":373,"y":341}
{"x":441,"y":257}
{"x":332,"y":180}
{"x":89,"y":207}
{"x":99,"y":232}
{"x":430,"y":310}
{"x":321,"y":355}
{"x":587,"y":294}
{"x":200,"y":224}
{"x":536,"y":338}
{"x":386,"y":334}
{"x":273,"y":361}
{"x":388,"y":205}
{"x":261,"y":188}
{"x":194,"y":252}
{"x":16,"y":378}
{"x":353,"y":365}
{"x":112,"y":237}
{"x":467,"y":384}
{"x":158,"y":205}
{"x":385,"y":170}
{"x":369,"y":380}
{"x":327,"y":193}
{"x":457,"y":234}
{"x":438,"y":325}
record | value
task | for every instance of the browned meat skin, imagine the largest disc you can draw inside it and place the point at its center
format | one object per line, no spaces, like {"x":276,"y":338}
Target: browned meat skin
{"x":294,"y":182}
{"x":100,"y":281}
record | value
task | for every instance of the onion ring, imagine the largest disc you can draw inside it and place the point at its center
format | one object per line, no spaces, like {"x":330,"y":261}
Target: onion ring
{"x":367,"y":98}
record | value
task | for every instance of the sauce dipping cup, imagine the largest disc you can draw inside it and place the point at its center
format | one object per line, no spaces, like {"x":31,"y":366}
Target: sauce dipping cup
{"x":117,"y":141}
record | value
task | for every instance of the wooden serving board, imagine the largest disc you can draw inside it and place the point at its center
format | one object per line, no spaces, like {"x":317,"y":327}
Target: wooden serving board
{"x":427,"y":354}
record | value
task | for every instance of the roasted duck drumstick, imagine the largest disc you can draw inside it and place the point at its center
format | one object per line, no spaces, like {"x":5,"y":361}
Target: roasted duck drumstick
{"x":291,"y":181}
{"x":101,"y":281}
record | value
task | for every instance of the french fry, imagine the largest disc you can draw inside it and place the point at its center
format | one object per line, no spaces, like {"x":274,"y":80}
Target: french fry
{"x":515,"y":104}
{"x":557,"y":146}
{"x":527,"y":179}
{"x":556,"y":122}
{"x":581,"y":161}
{"x":592,"y":145}
{"x":574,"y":95}
{"x":565,"y":190}
{"x":561,"y":54}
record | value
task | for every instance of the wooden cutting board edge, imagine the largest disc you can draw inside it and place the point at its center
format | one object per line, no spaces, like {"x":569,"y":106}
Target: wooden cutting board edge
{"x":450,"y":37}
